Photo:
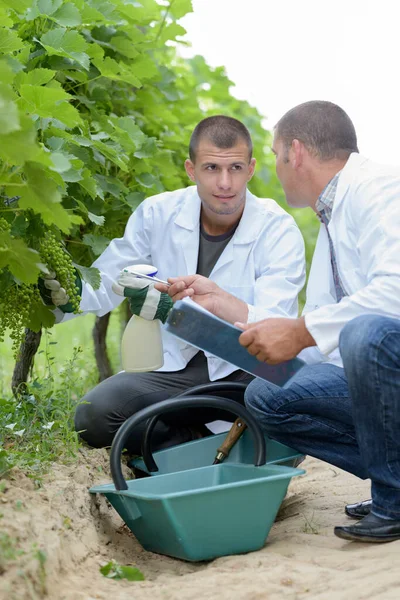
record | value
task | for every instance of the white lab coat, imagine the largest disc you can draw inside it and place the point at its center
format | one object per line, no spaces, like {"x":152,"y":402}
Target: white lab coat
{"x":263,"y":264}
{"x":365,"y":232}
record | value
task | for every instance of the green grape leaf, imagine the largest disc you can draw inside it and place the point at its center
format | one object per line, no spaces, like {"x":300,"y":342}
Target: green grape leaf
{"x":9,"y":41}
{"x":5,"y":19}
{"x":41,"y":194}
{"x":97,"y":219}
{"x":21,"y":260}
{"x":60,"y":161}
{"x":9,"y":115}
{"x":117,"y":71}
{"x":7,"y":74}
{"x":98,"y":243}
{"x":42,"y":316}
{"x":170,"y":32}
{"x":180,"y":8}
{"x":35,"y":77}
{"x":145,"y":68}
{"x":68,"y":15}
{"x":88,"y":184}
{"x":124,"y":45}
{"x":48,"y":7}
{"x":49,"y":102}
{"x":134,"y":199}
{"x":89,"y":274}
{"x":70,"y":44}
{"x":21,"y":146}
{"x":147,"y":180}
{"x":19,"y":6}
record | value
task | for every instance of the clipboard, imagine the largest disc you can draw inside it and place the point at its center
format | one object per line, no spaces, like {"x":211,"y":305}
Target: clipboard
{"x":200,"y":328}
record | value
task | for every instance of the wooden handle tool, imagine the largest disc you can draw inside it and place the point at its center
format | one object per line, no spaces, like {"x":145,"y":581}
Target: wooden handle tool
{"x":234,"y":434}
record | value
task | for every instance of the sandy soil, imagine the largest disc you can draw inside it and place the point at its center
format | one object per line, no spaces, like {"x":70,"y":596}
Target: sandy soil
{"x":301,"y":559}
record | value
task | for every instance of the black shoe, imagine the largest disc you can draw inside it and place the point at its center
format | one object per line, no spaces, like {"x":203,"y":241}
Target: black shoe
{"x":370,"y":529}
{"x":359,"y":510}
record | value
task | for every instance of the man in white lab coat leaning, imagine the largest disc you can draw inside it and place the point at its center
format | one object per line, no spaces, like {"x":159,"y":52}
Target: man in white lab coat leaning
{"x":247,"y":255}
{"x":343,"y":407}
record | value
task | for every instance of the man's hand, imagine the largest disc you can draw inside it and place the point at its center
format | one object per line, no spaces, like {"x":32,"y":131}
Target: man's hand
{"x":275,"y":340}
{"x":200,"y":289}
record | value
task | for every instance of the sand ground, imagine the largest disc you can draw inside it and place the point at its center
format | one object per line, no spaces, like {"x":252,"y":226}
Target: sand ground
{"x":302,"y":558}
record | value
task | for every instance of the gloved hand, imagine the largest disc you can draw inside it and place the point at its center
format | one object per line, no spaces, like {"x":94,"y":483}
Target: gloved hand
{"x":144,"y":300}
{"x":53,"y":294}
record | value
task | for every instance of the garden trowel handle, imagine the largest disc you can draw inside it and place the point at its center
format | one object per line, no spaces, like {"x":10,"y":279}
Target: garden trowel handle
{"x":234,"y":434}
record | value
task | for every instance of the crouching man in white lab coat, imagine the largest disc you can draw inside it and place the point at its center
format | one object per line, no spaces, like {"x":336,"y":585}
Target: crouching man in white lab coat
{"x":345,"y":409}
{"x":248,"y":255}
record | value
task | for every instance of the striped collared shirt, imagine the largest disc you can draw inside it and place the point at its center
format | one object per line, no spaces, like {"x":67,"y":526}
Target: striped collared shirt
{"x":324,"y":206}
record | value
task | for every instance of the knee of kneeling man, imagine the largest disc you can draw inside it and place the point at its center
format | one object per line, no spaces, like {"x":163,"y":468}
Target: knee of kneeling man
{"x":84,"y":421}
{"x":259,"y":399}
{"x":360,"y":333}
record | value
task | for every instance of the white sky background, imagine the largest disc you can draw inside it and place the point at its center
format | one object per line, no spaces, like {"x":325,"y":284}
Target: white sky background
{"x":283,"y":52}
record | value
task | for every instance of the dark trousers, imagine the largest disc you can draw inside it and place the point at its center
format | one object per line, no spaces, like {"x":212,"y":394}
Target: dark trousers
{"x":105,"y":408}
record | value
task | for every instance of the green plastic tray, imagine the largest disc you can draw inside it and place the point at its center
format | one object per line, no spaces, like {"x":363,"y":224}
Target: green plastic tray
{"x":203,"y":513}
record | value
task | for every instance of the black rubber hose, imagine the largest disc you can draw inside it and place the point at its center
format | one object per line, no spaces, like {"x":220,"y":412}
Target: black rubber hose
{"x":175,"y":404}
{"x":198,"y":390}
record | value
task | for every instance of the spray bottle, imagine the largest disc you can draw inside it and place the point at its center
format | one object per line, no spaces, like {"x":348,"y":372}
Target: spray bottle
{"x":141,"y":345}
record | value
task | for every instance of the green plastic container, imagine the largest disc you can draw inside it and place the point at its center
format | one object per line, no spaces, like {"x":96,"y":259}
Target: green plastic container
{"x":201,"y":453}
{"x":203,"y":513}
{"x":199,"y":514}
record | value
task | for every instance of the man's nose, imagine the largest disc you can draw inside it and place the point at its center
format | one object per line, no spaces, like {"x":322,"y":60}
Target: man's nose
{"x":224,"y":179}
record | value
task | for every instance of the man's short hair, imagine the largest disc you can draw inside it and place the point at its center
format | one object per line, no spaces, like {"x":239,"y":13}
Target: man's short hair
{"x":323,"y":127}
{"x":223,"y":132}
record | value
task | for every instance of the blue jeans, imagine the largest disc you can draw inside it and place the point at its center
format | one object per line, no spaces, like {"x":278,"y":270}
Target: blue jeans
{"x":348,"y":417}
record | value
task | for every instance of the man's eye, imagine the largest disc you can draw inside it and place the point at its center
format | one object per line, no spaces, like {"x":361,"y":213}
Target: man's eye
{"x":211,"y":167}
{"x":236,"y":168}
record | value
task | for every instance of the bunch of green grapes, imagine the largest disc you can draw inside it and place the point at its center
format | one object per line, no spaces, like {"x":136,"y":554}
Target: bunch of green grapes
{"x":58,"y":261}
{"x":17,"y":304}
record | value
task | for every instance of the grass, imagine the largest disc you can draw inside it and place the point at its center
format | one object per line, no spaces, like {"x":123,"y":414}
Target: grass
{"x":37,"y":428}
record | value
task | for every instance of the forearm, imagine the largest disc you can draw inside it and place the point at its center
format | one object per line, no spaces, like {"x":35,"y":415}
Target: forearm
{"x":230,"y":308}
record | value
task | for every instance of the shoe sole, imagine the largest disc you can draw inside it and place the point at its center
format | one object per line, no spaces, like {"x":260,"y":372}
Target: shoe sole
{"x":344,"y":535}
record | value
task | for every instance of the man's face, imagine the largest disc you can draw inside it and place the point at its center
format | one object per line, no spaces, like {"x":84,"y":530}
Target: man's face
{"x":221,"y":176}
{"x":288,"y":174}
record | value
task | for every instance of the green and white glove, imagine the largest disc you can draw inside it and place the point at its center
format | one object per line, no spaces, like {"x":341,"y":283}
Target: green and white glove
{"x":144,"y":300}
{"x":53,"y":294}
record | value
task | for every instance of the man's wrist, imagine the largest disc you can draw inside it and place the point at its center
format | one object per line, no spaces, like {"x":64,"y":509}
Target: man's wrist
{"x":304,"y":337}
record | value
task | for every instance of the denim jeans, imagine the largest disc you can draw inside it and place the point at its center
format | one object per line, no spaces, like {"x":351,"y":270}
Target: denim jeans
{"x":348,"y":417}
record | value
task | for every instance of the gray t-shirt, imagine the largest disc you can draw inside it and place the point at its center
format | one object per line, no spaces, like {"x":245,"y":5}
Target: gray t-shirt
{"x":210,"y":249}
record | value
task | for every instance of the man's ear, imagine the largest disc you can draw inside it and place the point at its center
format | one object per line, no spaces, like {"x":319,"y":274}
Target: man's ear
{"x":252,"y":166}
{"x":296,"y":156}
{"x":189,"y":166}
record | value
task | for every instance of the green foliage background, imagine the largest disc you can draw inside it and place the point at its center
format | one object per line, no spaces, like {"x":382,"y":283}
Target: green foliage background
{"x":96,"y":111}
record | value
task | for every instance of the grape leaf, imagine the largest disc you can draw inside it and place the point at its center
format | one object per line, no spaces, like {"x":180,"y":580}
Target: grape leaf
{"x":98,"y":243}
{"x":180,"y":8}
{"x":49,"y":102}
{"x":10,"y":41}
{"x":68,"y":15}
{"x":9,"y":115}
{"x":70,"y":44}
{"x":21,"y":260}
{"x":42,"y":316}
{"x":89,"y":274}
